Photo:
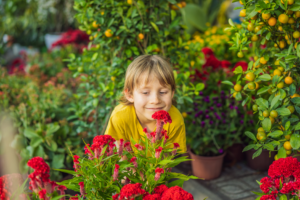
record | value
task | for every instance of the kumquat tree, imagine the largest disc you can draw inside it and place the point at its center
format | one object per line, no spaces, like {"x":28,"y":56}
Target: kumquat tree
{"x":270,"y":85}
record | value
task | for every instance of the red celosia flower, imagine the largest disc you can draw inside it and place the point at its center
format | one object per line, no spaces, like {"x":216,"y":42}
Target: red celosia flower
{"x":287,"y":188}
{"x":266,"y":184}
{"x":39,"y":165}
{"x":152,"y":197}
{"x":131,"y":191}
{"x":121,"y":147}
{"x":162,"y":117}
{"x":158,"y":152}
{"x":62,"y":189}
{"x":160,"y":189}
{"x":116,"y":172}
{"x":158,"y":172}
{"x":147,"y":134}
{"x":177,"y":193}
{"x":176,"y":146}
{"x":128,"y":146}
{"x":75,"y":166}
{"x":76,"y":159}
{"x":133,"y":161}
{"x":99,"y":142}
{"x":268,"y":197}
{"x":42,"y":194}
{"x":82,"y":190}
{"x":139,"y":147}
{"x":283,"y":167}
{"x":115,"y":197}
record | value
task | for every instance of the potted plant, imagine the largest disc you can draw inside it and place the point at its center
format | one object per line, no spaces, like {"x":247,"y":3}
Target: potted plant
{"x":216,"y":123}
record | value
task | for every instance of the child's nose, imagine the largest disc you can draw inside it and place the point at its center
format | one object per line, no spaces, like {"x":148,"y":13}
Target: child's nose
{"x":155,"y":99}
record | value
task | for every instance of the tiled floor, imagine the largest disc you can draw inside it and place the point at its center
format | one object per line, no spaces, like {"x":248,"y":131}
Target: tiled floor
{"x":235,"y":183}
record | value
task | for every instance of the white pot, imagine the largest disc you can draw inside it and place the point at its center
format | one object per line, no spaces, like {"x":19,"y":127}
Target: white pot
{"x":51,"y":38}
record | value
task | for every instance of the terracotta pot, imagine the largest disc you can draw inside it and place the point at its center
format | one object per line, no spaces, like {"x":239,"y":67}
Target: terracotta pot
{"x":234,"y":153}
{"x":262,"y":162}
{"x":207,"y":167}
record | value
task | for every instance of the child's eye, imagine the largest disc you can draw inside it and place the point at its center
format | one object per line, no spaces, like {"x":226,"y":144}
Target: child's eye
{"x":163,"y":92}
{"x":145,"y":92}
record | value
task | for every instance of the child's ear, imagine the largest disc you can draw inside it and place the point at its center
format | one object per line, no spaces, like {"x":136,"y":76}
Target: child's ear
{"x":173,"y":92}
{"x":128,"y":95}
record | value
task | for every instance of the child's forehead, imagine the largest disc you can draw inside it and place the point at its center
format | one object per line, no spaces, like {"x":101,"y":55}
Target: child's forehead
{"x":148,"y":81}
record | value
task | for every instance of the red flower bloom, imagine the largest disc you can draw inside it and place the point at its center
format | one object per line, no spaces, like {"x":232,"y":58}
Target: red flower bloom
{"x":158,"y":172}
{"x":39,"y":165}
{"x":268,"y":197}
{"x":213,"y":62}
{"x":207,"y":52}
{"x":139,"y":147}
{"x":121,"y":147}
{"x":162,"y":116}
{"x":266,"y":184}
{"x":283,"y":167}
{"x":158,"y":152}
{"x":133,"y":161}
{"x":128,"y":146}
{"x":160,"y":189}
{"x":287,"y":188}
{"x":74,"y":198}
{"x":42,"y":194}
{"x":116,"y":172}
{"x":82,"y":190}
{"x":115,"y":197}
{"x":152,"y":197}
{"x":177,"y":193}
{"x":130,"y":191}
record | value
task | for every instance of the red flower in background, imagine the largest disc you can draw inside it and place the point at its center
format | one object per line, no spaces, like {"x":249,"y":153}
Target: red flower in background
{"x":71,"y":37}
{"x":207,"y":52}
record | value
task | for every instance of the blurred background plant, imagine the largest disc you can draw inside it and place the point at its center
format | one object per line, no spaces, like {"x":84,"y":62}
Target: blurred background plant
{"x":28,"y":21}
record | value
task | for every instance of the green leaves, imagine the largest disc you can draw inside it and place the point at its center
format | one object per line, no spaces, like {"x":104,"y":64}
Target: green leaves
{"x":264,"y":104}
{"x":281,"y":153}
{"x":274,"y":101}
{"x":155,"y":26}
{"x":295,"y":141}
{"x":283,"y":111}
{"x":264,"y":77}
{"x":276,"y":133}
{"x":266,"y":124}
{"x":250,"y":135}
{"x":238,"y":70}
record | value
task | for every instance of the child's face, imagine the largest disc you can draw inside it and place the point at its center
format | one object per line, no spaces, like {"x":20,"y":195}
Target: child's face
{"x":151,"y":97}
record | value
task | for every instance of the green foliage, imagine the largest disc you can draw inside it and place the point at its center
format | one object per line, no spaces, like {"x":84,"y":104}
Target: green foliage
{"x":272,"y":66}
{"x":37,"y":102}
{"x":29,"y":21}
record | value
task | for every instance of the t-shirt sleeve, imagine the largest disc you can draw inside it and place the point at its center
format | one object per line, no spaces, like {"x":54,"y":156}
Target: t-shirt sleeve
{"x":115,"y":128}
{"x":178,"y":135}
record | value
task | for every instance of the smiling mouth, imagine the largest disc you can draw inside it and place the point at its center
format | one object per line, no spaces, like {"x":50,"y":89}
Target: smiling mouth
{"x":155,"y":109}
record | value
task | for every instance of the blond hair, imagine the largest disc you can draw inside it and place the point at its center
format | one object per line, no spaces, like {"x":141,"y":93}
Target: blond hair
{"x":145,"y":65}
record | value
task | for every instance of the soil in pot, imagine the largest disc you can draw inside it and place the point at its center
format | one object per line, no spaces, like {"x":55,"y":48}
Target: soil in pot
{"x":262,"y":162}
{"x":207,"y":167}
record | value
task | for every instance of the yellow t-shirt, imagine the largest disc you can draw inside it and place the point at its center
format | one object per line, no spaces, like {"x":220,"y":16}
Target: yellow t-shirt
{"x":123,"y":124}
